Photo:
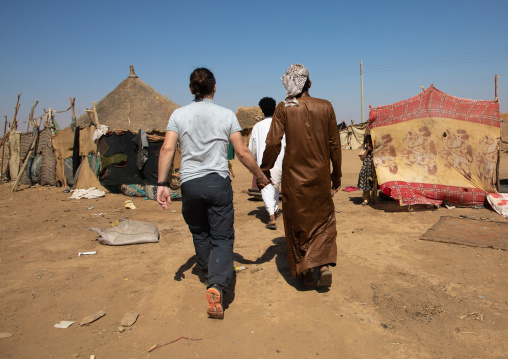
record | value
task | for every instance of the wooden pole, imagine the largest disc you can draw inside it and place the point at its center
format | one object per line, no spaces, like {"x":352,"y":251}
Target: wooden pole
{"x":95,"y":114}
{"x":73,"y":102}
{"x":361,"y":79}
{"x":73,"y":120}
{"x":498,"y":182}
{"x":14,"y":123}
{"x":3,"y":149}
{"x":25,"y":163}
{"x":52,"y":120}
{"x":45,"y":117}
{"x":48,"y":118}
{"x":495,"y":87}
{"x":31,"y":117}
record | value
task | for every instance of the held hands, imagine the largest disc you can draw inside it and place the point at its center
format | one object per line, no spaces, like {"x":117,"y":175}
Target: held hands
{"x":163,"y":196}
{"x":263,"y":182}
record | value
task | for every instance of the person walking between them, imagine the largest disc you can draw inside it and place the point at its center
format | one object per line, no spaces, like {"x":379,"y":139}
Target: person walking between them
{"x":270,"y":193}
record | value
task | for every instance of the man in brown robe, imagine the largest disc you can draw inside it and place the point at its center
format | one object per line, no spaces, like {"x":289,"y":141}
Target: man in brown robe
{"x":312,"y":141}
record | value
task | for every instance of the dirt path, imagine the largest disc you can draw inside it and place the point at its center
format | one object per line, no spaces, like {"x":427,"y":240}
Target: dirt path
{"x":393,"y":295}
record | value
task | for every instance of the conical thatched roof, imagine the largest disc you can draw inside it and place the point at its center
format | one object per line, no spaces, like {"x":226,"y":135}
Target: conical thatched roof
{"x":249,"y":116}
{"x":136,"y":101}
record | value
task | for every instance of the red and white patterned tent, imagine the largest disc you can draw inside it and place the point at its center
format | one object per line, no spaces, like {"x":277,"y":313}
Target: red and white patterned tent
{"x":435,"y":147}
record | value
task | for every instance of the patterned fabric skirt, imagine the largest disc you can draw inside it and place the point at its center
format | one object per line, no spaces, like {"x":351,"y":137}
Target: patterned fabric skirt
{"x":367,"y":175}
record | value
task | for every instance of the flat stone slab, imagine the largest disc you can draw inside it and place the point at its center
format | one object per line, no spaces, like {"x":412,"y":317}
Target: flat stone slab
{"x":129,"y":319}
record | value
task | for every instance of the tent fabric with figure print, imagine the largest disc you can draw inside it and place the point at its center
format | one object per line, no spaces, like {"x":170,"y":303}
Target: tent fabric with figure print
{"x":435,"y":147}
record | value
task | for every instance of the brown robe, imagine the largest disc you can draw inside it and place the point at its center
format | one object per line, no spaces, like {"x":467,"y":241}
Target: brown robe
{"x":312,"y":141}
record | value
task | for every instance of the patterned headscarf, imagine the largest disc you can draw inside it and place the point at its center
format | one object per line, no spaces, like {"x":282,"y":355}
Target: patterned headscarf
{"x":294,"y":79}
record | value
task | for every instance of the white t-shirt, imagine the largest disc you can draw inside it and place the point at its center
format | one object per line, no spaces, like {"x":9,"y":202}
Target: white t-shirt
{"x":204,"y":129}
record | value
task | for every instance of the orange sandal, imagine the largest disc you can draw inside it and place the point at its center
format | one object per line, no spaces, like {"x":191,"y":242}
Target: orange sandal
{"x":214,"y":296}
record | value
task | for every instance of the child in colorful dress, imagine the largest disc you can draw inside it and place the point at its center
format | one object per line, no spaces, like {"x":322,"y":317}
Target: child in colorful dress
{"x":367,"y":181}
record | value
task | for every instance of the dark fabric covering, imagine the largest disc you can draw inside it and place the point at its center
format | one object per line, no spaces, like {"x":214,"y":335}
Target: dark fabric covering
{"x":76,"y":158}
{"x":312,"y":141}
{"x":128,"y":173}
{"x":151,"y":167}
{"x":68,"y":169}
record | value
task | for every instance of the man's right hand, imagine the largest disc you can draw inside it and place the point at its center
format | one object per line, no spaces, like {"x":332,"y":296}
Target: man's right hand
{"x":336,"y":183}
{"x":263,"y":182}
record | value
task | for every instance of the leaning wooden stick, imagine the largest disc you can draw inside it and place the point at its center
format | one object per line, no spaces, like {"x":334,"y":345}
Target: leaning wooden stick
{"x":3,"y":148}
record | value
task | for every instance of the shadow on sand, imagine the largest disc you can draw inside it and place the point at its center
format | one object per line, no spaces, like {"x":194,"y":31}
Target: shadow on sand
{"x":389,"y":205}
{"x":276,"y":251}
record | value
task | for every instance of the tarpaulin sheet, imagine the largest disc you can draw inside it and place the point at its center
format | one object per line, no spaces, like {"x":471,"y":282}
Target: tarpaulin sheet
{"x":435,"y":147}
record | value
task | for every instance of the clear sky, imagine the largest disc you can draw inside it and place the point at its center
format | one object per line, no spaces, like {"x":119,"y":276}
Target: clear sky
{"x":53,"y":50}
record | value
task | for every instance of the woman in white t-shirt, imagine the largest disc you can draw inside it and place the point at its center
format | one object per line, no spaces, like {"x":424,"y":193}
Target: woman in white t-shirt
{"x":204,"y":130}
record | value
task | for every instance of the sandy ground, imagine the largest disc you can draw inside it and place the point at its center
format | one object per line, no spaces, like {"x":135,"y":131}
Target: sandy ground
{"x":393,"y":295}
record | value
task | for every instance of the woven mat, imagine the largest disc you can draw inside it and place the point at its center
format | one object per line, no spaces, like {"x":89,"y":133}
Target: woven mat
{"x":469,"y":232}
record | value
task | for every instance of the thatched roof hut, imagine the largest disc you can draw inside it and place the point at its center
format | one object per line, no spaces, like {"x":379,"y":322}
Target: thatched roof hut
{"x":249,"y":116}
{"x":132,"y":105}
